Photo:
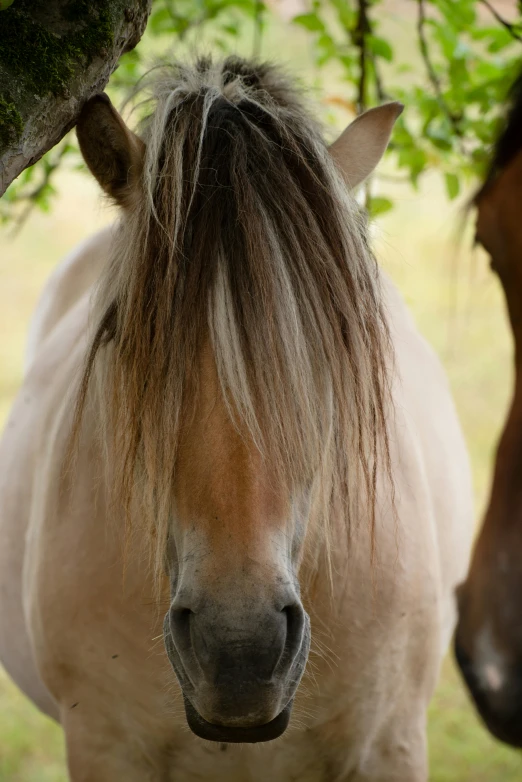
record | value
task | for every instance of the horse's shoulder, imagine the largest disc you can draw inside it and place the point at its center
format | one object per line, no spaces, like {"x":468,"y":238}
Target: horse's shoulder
{"x":50,"y":381}
{"x":414,"y":355}
{"x":430,"y":444}
{"x":75,"y":275}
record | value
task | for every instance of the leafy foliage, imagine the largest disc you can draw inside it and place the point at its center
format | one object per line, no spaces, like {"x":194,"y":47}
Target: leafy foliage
{"x":454,"y":81}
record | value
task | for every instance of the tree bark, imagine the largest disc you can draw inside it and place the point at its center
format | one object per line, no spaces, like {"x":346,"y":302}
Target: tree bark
{"x":55,"y":54}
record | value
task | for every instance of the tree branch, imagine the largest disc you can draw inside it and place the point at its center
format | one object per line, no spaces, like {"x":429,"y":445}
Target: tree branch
{"x":382,"y":95}
{"x":504,"y":22}
{"x":360,"y":32}
{"x":33,"y":195}
{"x":359,"y":36}
{"x":432,"y":74}
{"x":53,"y":56}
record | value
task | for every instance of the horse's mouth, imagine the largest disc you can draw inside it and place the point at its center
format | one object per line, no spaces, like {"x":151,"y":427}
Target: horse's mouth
{"x":505,"y":725}
{"x":234,"y":735}
{"x":226,"y":734}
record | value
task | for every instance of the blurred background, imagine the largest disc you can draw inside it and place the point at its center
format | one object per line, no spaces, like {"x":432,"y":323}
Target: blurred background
{"x":422,"y":237}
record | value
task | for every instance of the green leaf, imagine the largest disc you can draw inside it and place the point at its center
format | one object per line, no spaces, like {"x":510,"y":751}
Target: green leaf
{"x":452,"y":185}
{"x":502,"y":39}
{"x":231,"y":28}
{"x":345,"y":13}
{"x":380,"y":47}
{"x":379,"y":206}
{"x":460,"y":14}
{"x":310,"y":22}
{"x":326,"y":48}
{"x":413,"y":158}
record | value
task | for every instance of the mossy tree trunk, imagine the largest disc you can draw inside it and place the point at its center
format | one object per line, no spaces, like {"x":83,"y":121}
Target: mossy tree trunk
{"x":54,"y":54}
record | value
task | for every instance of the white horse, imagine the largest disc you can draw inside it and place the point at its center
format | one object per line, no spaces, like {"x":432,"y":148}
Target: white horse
{"x":245,"y":427}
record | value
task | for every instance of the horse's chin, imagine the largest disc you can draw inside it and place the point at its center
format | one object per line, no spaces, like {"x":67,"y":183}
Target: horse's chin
{"x":237,"y":735}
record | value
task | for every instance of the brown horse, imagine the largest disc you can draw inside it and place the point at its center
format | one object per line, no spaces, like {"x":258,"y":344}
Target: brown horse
{"x":489,"y":635}
{"x":244,"y":432}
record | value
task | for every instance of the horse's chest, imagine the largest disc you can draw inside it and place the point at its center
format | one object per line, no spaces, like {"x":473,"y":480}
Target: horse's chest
{"x":281,"y":761}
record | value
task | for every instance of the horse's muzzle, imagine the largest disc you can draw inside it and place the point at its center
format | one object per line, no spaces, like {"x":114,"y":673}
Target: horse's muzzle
{"x":500,"y":707}
{"x":238,"y":678}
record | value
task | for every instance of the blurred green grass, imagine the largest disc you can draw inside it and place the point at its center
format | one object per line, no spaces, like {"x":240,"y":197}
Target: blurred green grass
{"x":458,"y":306}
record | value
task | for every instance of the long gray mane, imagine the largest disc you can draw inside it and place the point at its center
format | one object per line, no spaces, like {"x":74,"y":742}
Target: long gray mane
{"x":243,"y":236}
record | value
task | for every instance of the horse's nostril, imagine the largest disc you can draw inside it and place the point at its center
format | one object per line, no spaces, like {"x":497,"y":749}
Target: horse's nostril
{"x":295,"y":621}
{"x":180,"y":626}
{"x":294,"y":618}
{"x":180,"y":615}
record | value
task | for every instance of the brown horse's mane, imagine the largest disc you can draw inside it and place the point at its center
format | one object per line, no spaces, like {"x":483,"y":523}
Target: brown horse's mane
{"x":245,"y":236}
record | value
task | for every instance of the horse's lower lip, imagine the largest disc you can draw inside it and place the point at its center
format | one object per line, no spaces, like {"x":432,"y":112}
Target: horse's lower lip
{"x":226,"y":735}
{"x":506,"y":728}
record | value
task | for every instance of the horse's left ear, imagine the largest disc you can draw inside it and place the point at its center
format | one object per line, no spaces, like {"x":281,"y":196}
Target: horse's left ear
{"x":113,"y":153}
{"x":362,"y":144}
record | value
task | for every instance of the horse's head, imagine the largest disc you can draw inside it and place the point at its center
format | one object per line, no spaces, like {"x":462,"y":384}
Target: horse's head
{"x":236,"y":632}
{"x":489,"y":634}
{"x":239,"y":332}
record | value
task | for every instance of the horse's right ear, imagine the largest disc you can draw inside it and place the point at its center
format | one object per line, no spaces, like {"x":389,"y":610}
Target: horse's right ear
{"x":113,"y":153}
{"x":362,"y":144}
